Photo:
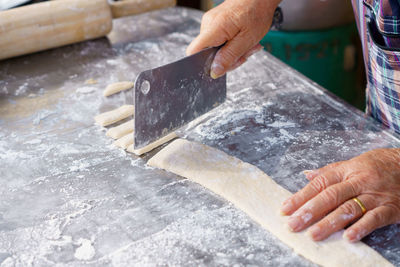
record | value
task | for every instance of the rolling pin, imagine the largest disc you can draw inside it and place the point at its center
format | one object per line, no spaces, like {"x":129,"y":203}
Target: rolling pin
{"x":51,"y":24}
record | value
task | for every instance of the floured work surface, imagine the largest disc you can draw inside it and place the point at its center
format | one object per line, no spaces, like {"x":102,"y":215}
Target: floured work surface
{"x":69,"y":196}
{"x":255,"y":193}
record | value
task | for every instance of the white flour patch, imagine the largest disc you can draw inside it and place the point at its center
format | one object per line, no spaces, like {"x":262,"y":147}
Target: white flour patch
{"x":272,"y":86}
{"x":86,"y":251}
{"x":33,"y":142}
{"x":282,"y":124}
{"x":307,"y":217}
{"x":22,"y":89}
{"x":85,"y":90}
{"x":41,"y":115}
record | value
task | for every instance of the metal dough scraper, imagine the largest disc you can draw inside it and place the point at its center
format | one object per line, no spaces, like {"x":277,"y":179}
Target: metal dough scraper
{"x":170,"y":96}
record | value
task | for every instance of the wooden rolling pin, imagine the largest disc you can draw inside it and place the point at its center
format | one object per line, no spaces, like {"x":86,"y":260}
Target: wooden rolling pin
{"x":52,"y":24}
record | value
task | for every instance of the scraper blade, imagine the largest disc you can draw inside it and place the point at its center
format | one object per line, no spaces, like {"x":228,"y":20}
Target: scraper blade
{"x":170,"y":96}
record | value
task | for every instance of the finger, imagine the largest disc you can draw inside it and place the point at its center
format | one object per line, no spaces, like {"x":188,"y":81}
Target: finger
{"x":208,"y":38}
{"x":244,"y":58}
{"x":313,"y":188}
{"x":337,"y":220}
{"x":371,"y":220}
{"x":252,"y":51}
{"x":230,"y":53}
{"x":323,"y":203}
{"x":238,"y":63}
{"x":310,"y":174}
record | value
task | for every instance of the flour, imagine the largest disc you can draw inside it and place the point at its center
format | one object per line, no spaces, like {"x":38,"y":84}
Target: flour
{"x":33,"y":142}
{"x":85,"y":90}
{"x":42,"y":115}
{"x":282,"y":124}
{"x":86,"y":251}
{"x":22,"y":89}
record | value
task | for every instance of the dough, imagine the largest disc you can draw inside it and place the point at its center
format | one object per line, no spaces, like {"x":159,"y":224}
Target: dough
{"x":153,"y":145}
{"x":255,"y":193}
{"x":117,"y":87}
{"x":124,"y":132}
{"x":91,"y":81}
{"x":121,"y":130}
{"x":115,"y":115}
{"x":124,"y":141}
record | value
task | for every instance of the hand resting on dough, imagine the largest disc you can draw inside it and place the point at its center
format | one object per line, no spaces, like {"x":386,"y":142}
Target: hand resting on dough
{"x":327,"y":203}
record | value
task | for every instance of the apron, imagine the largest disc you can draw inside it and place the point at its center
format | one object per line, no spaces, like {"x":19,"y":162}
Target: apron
{"x":378,"y":23}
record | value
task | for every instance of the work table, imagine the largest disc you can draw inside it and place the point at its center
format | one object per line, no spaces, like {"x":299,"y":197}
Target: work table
{"x":69,"y":197}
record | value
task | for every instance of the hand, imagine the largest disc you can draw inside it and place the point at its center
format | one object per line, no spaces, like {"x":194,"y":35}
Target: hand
{"x":327,"y":201}
{"x":240,"y":24}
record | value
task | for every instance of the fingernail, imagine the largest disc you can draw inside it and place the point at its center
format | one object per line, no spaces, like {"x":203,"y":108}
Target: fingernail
{"x":307,"y":172}
{"x":315,"y":233}
{"x":216,"y":70}
{"x":294,"y":223}
{"x":350,"y":235}
{"x":286,"y":207}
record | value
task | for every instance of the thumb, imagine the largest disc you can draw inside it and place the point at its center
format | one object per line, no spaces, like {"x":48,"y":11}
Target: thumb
{"x":209,"y":38}
{"x":230,"y":53}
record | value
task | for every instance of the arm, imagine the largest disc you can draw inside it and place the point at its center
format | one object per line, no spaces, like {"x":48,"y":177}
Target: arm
{"x":240,"y":24}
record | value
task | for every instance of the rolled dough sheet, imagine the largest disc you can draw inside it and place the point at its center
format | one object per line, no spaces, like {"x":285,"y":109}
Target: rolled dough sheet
{"x":121,"y":130}
{"x":115,"y":115}
{"x":124,"y":141}
{"x":153,"y":145}
{"x":117,"y":87}
{"x":255,"y":193}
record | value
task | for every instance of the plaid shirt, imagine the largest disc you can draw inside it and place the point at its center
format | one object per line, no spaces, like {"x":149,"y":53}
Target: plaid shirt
{"x":379,"y":27}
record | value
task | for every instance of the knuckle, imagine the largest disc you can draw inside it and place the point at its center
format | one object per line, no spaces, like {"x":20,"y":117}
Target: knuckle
{"x":207,"y":17}
{"x":331,"y":195}
{"x":348,"y":208}
{"x":392,"y":213}
{"x":320,"y":183}
{"x":331,"y":166}
{"x":376,"y":216}
{"x":353,"y":186}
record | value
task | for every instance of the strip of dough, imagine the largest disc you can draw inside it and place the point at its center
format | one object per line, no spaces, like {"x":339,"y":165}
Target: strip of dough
{"x":153,"y":145}
{"x":121,"y":130}
{"x":117,"y":87}
{"x":115,"y":115}
{"x":255,"y":193}
{"x":124,"y":141}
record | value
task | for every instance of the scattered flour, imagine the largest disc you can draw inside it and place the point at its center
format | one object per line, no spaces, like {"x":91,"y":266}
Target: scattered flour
{"x":41,"y":115}
{"x":86,"y":251}
{"x":33,"y":142}
{"x":85,"y":90}
{"x":282,"y":124}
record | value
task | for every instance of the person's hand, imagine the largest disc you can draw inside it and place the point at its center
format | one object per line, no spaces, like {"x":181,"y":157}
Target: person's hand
{"x":240,"y":24}
{"x":327,"y":201}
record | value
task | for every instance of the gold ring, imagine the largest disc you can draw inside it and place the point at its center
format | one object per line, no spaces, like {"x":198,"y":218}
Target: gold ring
{"x":363,"y":209}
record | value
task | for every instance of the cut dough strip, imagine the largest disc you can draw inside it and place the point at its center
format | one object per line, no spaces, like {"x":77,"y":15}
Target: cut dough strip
{"x":115,"y":115}
{"x":124,"y":141}
{"x":153,"y":145}
{"x":121,"y":130}
{"x":117,"y":87}
{"x":255,"y":193}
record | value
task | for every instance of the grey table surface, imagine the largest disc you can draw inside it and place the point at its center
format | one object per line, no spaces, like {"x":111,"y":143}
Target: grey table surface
{"x":68,"y":197}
